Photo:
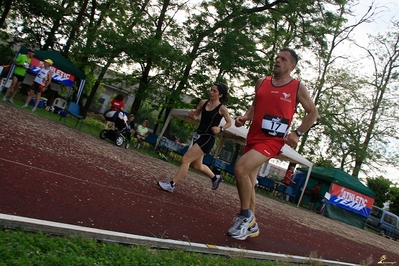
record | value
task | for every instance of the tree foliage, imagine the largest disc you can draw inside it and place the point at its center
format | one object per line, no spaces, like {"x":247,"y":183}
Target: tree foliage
{"x":381,"y":188}
{"x":394,"y":200}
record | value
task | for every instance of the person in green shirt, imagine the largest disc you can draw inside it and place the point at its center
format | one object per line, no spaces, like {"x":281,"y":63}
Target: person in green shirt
{"x":22,"y":63}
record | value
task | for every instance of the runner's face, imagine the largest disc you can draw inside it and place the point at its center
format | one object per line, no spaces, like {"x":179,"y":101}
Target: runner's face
{"x":214,"y":93}
{"x":283,"y":64}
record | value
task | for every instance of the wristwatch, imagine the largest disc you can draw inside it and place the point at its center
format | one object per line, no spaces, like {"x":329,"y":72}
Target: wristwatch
{"x":221,"y":129}
{"x":299,"y":133}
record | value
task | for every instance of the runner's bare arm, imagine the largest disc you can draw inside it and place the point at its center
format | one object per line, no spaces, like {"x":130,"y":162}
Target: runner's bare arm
{"x":196,"y":113}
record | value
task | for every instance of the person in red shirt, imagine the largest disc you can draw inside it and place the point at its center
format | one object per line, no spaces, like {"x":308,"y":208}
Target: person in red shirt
{"x":288,"y":176}
{"x":116,"y":105}
{"x":271,"y":114}
{"x":286,"y":181}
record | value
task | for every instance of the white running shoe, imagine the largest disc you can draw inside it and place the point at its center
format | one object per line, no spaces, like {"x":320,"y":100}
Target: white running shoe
{"x":24,"y":106}
{"x":240,"y":227}
{"x":33,"y":109}
{"x":166,"y":186}
{"x":11,"y":100}
{"x":215,"y":184}
{"x":253,"y":231}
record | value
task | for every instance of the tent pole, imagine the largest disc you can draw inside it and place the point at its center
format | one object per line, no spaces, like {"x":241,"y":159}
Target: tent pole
{"x":9,"y":74}
{"x":163,"y":129}
{"x":81,"y":85}
{"x":304,"y":186}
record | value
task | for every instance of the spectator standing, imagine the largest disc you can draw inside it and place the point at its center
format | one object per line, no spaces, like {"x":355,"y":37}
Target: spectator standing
{"x":286,"y":181}
{"x":288,"y":176}
{"x":40,"y":83}
{"x":22,"y":63}
{"x":116,"y":105}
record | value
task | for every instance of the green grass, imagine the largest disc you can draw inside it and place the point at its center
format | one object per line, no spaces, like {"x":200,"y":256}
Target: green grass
{"x":25,"y":248}
{"x":91,"y":125}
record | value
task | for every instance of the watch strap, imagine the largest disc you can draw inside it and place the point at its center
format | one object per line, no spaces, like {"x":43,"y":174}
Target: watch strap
{"x":299,"y":133}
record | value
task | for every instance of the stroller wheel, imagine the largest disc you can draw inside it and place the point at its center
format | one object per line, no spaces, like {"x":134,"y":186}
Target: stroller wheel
{"x":103,"y":134}
{"x":119,"y":140}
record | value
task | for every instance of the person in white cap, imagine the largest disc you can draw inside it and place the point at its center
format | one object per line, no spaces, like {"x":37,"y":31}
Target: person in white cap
{"x":22,"y":63}
{"x":40,"y":83}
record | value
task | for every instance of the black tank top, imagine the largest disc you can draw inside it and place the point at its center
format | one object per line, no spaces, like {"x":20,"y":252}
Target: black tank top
{"x":209,"y":119}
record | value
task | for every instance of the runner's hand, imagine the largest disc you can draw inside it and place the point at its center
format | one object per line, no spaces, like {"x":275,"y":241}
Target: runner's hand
{"x":240,"y":121}
{"x":291,"y":139}
{"x":191,"y":114}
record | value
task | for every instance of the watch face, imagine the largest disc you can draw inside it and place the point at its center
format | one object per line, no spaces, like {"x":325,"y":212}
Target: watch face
{"x":299,"y":133}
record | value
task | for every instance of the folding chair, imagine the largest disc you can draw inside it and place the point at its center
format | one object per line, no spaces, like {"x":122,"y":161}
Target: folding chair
{"x":151,"y":139}
{"x":60,"y":103}
{"x":229,"y":171}
{"x":73,"y":110}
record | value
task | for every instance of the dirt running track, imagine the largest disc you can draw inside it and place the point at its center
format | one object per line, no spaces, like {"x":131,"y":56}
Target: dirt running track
{"x":53,"y":172}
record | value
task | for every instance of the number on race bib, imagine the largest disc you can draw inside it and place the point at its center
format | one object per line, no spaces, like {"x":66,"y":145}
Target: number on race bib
{"x":275,"y":126}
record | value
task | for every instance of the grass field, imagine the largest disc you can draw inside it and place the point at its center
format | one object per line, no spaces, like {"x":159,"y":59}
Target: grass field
{"x":25,"y":248}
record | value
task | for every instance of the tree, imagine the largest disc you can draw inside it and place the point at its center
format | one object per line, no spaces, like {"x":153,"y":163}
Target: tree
{"x":394,"y":200}
{"x":326,"y":88}
{"x":5,"y":6}
{"x":380,"y":186}
{"x":359,"y":113}
{"x":382,"y":116}
{"x":215,"y":36}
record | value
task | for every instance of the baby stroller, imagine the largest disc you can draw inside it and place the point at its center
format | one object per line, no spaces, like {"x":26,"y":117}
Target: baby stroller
{"x":118,"y":135}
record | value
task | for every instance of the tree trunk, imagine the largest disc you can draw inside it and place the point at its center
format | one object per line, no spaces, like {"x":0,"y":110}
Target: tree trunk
{"x":96,"y":85}
{"x":4,"y":14}
{"x":144,"y":78}
{"x":75,"y":27}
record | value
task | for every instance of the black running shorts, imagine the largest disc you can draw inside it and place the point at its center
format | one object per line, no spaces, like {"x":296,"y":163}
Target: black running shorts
{"x":19,"y":77}
{"x":206,"y":142}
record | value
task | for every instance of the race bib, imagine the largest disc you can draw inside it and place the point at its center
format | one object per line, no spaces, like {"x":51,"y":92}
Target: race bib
{"x":196,"y":136}
{"x":275,"y":126}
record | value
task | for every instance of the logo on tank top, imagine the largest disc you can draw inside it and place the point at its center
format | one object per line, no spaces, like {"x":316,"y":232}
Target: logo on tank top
{"x":286,"y":97}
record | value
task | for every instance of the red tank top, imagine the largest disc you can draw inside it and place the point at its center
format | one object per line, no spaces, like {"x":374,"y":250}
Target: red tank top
{"x":274,"y":102}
